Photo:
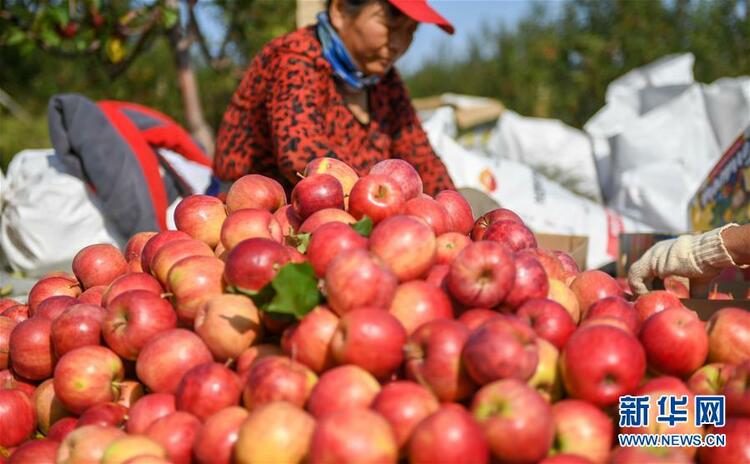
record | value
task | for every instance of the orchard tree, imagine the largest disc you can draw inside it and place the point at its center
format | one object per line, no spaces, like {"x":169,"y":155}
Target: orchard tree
{"x":116,"y":32}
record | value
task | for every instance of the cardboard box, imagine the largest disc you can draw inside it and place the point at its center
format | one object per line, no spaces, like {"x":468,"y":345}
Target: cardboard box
{"x":724,"y":196}
{"x":707,"y":308}
{"x":632,"y":246}
{"x":575,"y":245}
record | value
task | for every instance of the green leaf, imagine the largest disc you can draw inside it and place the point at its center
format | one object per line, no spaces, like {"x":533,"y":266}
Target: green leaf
{"x":169,"y":17}
{"x":59,"y":15}
{"x":50,"y":37}
{"x":294,"y":291}
{"x":299,"y":241}
{"x":363,"y":227}
{"x":15,"y":37}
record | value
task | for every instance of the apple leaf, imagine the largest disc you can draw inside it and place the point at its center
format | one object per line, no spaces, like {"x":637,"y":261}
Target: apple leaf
{"x":299,"y":241}
{"x":294,"y":291}
{"x":363,"y":227}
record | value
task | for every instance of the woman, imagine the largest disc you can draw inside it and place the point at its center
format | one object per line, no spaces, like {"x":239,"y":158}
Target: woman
{"x":331,"y":90}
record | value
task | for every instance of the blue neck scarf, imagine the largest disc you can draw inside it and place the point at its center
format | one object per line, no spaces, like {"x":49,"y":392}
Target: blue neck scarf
{"x":338,"y":56}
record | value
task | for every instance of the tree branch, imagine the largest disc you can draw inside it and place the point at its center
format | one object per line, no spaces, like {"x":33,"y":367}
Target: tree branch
{"x":123,"y":65}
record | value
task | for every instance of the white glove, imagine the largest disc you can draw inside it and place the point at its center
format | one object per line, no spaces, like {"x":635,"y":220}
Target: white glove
{"x":700,"y":257}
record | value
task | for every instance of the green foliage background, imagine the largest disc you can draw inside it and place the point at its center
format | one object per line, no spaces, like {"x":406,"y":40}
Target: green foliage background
{"x":547,"y":66}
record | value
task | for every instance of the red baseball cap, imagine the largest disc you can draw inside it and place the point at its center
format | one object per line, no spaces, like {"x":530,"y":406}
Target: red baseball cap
{"x":420,"y":11}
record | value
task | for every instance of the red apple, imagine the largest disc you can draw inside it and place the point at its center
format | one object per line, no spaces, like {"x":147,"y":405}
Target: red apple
{"x":565,"y":459}
{"x":98,"y":264}
{"x":249,"y":223}
{"x":338,"y":169}
{"x":430,"y":211}
{"x":309,"y":340}
{"x":438,"y":276}
{"x":216,"y":439}
{"x":368,"y":438}
{"x":357,"y":278}
{"x":80,"y":325}
{"x":650,"y":455}
{"x":284,"y":430}
{"x":154,"y":244}
{"x":737,"y":391}
{"x":134,"y":318}
{"x":676,"y":287}
{"x":376,"y":196}
{"x":404,"y":404}
{"x":482,"y":275}
{"x":433,"y":359}
{"x":501,"y":348}
{"x":147,"y":410}
{"x":47,"y":406}
{"x":254,"y":263}
{"x":516,"y":420}
{"x":87,"y":444}
{"x":278,"y":378}
{"x":405,"y":245}
{"x":655,"y":301}
{"x":193,"y":281}
{"x":324,"y":216}
{"x":546,"y":379}
{"x":531,"y":281}
{"x":104,"y":414}
{"x":483,"y":222}
{"x":6,"y":327}
{"x":402,"y":173}
{"x":328,"y":241}
{"x":6,"y":303}
{"x":53,"y":306}
{"x":173,"y":252}
{"x":728,"y":336}
{"x":164,"y":359}
{"x":512,"y":234}
{"x":51,"y":286}
{"x":288,"y":220}
{"x":255,"y":353}
{"x":341,"y":388}
{"x":737,"y":449}
{"x":255,"y":191}
{"x":549,"y":320}
{"x":675,"y":341}
{"x":710,"y":379}
{"x":9,"y":380}
{"x":17,"y":313}
{"x":17,"y":418}
{"x":592,"y":286}
{"x":31,"y":352}
{"x":567,"y":262}
{"x":370,"y":338}
{"x":449,"y":245}
{"x":93,"y":295}
{"x":449,"y":435}
{"x":44,"y":450}
{"x":201,"y":217}
{"x":417,"y":302}
{"x":460,"y":217}
{"x":473,"y":318}
{"x":601,"y":363}
{"x":582,"y":429}
{"x":134,"y":247}
{"x":615,"y":306}
{"x":317,"y":192}
{"x":206,"y":389}
{"x":228,"y":324}
{"x":131,"y":281}
{"x":176,"y":432}
{"x":60,"y":429}
{"x":87,"y":376}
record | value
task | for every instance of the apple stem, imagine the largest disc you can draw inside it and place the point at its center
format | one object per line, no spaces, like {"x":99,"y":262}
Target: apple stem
{"x":229,"y":362}
{"x":300,"y":175}
{"x":167,"y":295}
{"x":74,"y":285}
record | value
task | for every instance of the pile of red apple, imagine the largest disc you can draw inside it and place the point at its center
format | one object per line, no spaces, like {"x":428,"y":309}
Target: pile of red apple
{"x":436,"y":338}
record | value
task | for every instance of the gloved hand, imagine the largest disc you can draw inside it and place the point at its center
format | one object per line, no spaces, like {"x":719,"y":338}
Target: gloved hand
{"x":700,"y":257}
